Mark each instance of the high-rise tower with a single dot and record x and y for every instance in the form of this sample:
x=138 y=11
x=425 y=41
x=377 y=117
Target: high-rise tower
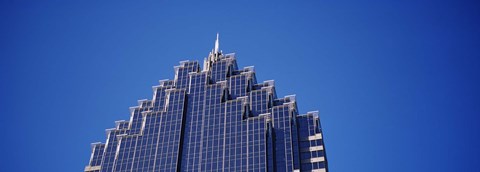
x=218 y=118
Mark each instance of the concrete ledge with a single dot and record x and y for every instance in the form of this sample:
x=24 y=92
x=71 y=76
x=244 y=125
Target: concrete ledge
x=312 y=160
x=92 y=168
x=311 y=149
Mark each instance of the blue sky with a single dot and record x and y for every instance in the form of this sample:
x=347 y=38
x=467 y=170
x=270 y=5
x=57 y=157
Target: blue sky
x=396 y=82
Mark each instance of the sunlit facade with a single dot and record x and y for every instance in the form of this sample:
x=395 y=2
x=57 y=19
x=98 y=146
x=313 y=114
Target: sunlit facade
x=214 y=118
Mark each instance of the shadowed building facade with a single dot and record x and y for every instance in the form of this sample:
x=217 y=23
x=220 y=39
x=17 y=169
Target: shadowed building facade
x=215 y=118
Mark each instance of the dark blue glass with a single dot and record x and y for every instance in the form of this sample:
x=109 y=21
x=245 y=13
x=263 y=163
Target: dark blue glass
x=215 y=119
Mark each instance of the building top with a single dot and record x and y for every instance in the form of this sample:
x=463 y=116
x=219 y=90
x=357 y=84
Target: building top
x=218 y=119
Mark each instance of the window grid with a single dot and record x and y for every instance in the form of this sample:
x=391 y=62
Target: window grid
x=210 y=121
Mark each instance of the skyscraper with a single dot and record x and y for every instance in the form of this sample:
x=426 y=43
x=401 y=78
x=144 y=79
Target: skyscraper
x=215 y=118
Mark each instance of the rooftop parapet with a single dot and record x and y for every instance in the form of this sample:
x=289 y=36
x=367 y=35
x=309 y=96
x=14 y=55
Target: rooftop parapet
x=132 y=109
x=109 y=130
x=144 y=103
x=313 y=113
x=121 y=124
x=268 y=83
x=166 y=82
x=96 y=144
x=291 y=98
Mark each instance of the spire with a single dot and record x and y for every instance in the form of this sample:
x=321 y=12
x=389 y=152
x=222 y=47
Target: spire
x=216 y=45
x=213 y=56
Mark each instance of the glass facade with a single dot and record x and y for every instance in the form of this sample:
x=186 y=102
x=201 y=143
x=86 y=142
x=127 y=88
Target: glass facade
x=218 y=118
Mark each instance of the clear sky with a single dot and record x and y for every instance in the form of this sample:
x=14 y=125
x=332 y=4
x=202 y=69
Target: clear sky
x=396 y=82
